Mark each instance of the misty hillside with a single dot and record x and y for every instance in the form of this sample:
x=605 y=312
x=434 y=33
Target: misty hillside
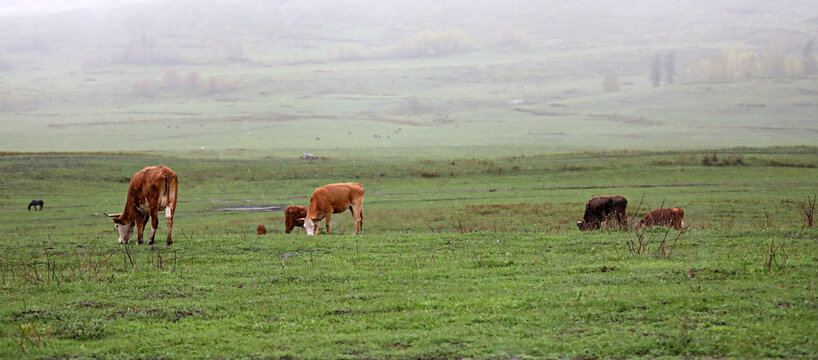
x=289 y=29
x=572 y=70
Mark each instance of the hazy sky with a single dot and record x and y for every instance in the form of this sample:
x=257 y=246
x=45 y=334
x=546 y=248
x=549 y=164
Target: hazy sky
x=30 y=7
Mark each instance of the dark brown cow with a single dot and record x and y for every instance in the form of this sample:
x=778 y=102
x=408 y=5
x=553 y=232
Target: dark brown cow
x=261 y=230
x=294 y=216
x=671 y=217
x=333 y=199
x=603 y=208
x=35 y=204
x=152 y=189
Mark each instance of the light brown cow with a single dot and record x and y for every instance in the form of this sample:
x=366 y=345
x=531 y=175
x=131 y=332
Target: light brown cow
x=333 y=199
x=152 y=189
x=665 y=217
x=294 y=216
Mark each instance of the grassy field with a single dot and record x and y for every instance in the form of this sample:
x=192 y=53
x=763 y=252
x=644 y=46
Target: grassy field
x=469 y=246
x=470 y=258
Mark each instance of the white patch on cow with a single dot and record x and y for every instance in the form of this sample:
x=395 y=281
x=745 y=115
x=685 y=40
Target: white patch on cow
x=310 y=226
x=125 y=232
x=144 y=207
x=167 y=213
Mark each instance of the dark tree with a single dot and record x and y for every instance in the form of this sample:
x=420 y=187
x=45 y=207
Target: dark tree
x=810 y=66
x=656 y=71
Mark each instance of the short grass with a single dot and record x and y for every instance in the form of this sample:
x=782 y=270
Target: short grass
x=462 y=257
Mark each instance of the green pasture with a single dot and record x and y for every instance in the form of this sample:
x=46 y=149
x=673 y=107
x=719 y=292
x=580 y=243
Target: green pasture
x=469 y=247
x=458 y=258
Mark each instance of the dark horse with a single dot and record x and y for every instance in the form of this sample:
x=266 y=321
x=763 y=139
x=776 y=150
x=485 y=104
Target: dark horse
x=35 y=204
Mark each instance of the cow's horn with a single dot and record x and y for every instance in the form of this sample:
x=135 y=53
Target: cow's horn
x=112 y=215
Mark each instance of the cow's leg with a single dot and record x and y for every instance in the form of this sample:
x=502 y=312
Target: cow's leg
x=140 y=227
x=289 y=223
x=358 y=215
x=329 y=218
x=169 y=221
x=154 y=225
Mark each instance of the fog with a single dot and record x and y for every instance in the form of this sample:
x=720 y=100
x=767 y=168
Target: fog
x=88 y=62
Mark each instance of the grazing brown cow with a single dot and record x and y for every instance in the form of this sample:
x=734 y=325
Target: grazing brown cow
x=294 y=216
x=665 y=217
x=603 y=208
x=152 y=189
x=333 y=199
x=261 y=230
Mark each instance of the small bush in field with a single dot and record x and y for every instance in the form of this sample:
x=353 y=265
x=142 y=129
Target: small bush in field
x=144 y=87
x=171 y=78
x=218 y=84
x=433 y=43
x=348 y=52
x=714 y=160
x=514 y=38
x=610 y=82
x=192 y=80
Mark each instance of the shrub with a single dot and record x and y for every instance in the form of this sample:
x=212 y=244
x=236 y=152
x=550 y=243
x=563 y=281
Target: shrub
x=171 y=78
x=434 y=43
x=218 y=84
x=514 y=38
x=610 y=82
x=713 y=160
x=144 y=87
x=192 y=80
x=807 y=210
x=348 y=52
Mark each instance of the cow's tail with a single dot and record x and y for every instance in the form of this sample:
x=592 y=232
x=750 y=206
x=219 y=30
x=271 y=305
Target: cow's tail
x=171 y=184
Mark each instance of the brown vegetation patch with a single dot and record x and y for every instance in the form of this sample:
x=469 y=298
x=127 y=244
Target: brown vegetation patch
x=641 y=121
x=542 y=112
x=509 y=209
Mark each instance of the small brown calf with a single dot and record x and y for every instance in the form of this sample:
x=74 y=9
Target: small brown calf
x=294 y=216
x=671 y=217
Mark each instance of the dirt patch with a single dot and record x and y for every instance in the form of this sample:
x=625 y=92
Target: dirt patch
x=258 y=208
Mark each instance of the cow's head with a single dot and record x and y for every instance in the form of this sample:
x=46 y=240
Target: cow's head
x=584 y=226
x=124 y=227
x=311 y=225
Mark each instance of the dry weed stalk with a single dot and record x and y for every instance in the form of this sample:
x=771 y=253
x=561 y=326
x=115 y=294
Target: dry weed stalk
x=771 y=255
x=807 y=210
